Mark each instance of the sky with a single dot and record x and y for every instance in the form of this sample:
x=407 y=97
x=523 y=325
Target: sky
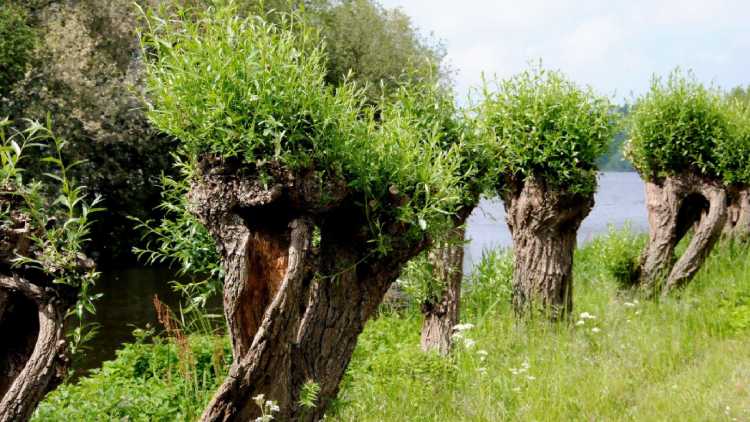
x=615 y=46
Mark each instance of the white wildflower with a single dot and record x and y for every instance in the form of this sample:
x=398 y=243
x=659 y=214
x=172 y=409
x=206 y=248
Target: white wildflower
x=463 y=327
x=629 y=304
x=469 y=343
x=530 y=377
x=482 y=370
x=482 y=352
x=580 y=322
x=595 y=330
x=586 y=315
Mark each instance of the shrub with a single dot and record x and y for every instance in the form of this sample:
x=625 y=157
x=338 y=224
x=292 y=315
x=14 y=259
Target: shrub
x=17 y=41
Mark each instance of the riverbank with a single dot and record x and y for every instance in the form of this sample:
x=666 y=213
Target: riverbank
x=621 y=358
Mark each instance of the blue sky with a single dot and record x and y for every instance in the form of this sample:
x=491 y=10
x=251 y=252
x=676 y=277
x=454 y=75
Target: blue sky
x=614 y=46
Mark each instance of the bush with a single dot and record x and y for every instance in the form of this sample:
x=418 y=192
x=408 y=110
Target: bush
x=17 y=40
x=540 y=124
x=680 y=125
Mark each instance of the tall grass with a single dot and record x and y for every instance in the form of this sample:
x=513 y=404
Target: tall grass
x=620 y=358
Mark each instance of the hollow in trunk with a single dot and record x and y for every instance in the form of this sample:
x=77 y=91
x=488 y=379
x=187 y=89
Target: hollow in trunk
x=676 y=204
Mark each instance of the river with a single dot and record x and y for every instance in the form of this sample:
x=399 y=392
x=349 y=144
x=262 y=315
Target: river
x=127 y=294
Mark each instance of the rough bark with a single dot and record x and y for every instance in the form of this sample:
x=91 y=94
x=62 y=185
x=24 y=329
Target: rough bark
x=543 y=223
x=738 y=213
x=294 y=310
x=32 y=321
x=676 y=204
x=33 y=350
x=441 y=313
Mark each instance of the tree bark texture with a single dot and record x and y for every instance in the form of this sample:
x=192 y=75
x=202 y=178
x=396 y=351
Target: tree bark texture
x=738 y=213
x=294 y=310
x=543 y=223
x=33 y=359
x=676 y=204
x=442 y=312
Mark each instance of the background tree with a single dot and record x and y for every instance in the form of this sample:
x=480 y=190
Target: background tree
x=314 y=199
x=681 y=146
x=737 y=160
x=44 y=278
x=545 y=134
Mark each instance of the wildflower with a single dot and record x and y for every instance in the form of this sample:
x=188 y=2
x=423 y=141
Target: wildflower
x=469 y=343
x=530 y=377
x=275 y=408
x=463 y=327
x=580 y=322
x=482 y=352
x=595 y=330
x=516 y=389
x=482 y=370
x=629 y=304
x=586 y=315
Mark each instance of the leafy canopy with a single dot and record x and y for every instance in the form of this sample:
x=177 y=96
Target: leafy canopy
x=248 y=89
x=17 y=40
x=680 y=125
x=539 y=124
x=733 y=152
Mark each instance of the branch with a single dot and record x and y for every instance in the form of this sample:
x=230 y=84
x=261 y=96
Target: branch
x=20 y=284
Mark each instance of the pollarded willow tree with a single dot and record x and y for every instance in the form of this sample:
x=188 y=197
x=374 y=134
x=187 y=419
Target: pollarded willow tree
x=545 y=133
x=314 y=199
x=737 y=161
x=44 y=278
x=682 y=146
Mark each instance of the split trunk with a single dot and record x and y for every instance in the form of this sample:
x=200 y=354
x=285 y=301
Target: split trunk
x=294 y=305
x=676 y=204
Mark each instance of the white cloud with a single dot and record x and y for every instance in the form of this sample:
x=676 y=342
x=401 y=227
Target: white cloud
x=613 y=46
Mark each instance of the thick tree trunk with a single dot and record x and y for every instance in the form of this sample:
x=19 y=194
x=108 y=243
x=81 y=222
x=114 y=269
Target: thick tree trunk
x=675 y=204
x=32 y=354
x=738 y=213
x=441 y=313
x=543 y=223
x=294 y=311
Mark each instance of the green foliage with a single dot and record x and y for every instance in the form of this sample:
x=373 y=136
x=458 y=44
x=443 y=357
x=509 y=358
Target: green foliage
x=733 y=153
x=259 y=95
x=620 y=360
x=180 y=240
x=17 y=41
x=678 y=126
x=57 y=213
x=146 y=382
x=380 y=47
x=539 y=124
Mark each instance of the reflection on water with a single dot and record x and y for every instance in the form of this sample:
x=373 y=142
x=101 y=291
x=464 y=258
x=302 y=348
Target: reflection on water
x=127 y=301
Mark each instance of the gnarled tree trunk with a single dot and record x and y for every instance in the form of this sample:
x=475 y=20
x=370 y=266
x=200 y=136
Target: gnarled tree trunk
x=294 y=310
x=32 y=322
x=442 y=312
x=543 y=223
x=738 y=213
x=675 y=204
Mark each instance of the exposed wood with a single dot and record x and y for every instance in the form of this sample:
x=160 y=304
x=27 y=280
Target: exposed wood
x=738 y=213
x=293 y=311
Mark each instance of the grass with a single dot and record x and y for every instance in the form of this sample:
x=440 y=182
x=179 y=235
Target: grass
x=685 y=358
